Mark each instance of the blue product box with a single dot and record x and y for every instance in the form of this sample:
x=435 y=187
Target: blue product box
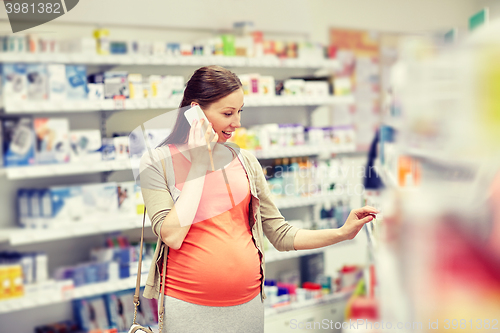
x=34 y=220
x=52 y=140
x=76 y=82
x=23 y=207
x=387 y=134
x=45 y=205
x=91 y=313
x=108 y=149
x=37 y=78
x=67 y=203
x=18 y=139
x=78 y=276
x=91 y=272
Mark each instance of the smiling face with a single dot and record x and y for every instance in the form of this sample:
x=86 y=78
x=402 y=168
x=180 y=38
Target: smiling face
x=225 y=114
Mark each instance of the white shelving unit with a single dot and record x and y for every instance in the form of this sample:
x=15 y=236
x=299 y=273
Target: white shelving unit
x=69 y=294
x=94 y=59
x=21 y=237
x=95 y=289
x=64 y=169
x=36 y=107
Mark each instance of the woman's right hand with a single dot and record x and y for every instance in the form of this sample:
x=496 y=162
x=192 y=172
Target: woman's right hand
x=199 y=149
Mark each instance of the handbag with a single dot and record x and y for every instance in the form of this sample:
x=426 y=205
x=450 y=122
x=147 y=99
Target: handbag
x=137 y=328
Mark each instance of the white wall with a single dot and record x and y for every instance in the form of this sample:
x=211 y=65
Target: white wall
x=154 y=19
x=389 y=15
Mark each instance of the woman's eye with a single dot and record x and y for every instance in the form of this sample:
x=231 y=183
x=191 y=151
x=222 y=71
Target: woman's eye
x=228 y=114
x=240 y=111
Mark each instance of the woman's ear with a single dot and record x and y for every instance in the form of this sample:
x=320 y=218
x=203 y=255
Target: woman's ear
x=194 y=104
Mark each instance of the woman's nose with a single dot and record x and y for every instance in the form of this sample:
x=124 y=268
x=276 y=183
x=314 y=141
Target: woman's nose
x=236 y=123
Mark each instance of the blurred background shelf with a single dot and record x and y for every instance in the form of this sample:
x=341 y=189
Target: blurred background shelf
x=32 y=107
x=92 y=59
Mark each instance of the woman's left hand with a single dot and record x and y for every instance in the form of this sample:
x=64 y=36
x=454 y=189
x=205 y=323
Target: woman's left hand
x=355 y=221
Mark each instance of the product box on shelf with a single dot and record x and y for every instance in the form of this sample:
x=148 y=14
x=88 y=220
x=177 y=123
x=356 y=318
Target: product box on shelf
x=18 y=139
x=35 y=219
x=120 y=307
x=91 y=314
x=136 y=89
x=76 y=82
x=67 y=204
x=23 y=207
x=96 y=86
x=108 y=150
x=316 y=88
x=14 y=83
x=100 y=200
x=11 y=280
x=52 y=140
x=79 y=45
x=45 y=204
x=155 y=86
x=96 y=91
x=294 y=87
x=267 y=86
x=56 y=82
x=116 y=84
x=174 y=85
x=130 y=198
x=37 y=82
x=85 y=145
x=122 y=147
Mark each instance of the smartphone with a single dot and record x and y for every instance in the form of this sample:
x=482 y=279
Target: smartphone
x=196 y=113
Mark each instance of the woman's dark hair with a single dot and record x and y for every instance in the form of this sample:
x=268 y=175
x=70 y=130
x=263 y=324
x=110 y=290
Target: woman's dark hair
x=206 y=86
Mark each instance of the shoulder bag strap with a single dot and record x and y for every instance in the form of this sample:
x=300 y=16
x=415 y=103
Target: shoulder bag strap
x=138 y=281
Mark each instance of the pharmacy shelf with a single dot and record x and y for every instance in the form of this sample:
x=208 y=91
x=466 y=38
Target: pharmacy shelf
x=95 y=289
x=293 y=202
x=303 y=150
x=24 y=236
x=85 y=167
x=325 y=299
x=36 y=107
x=64 y=169
x=116 y=60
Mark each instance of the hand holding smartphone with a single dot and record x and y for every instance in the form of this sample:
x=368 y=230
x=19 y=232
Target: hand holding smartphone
x=196 y=113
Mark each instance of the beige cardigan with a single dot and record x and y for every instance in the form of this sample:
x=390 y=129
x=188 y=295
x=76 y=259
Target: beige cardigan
x=159 y=198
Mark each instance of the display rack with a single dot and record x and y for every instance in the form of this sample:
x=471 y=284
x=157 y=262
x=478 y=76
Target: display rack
x=19 y=237
x=94 y=59
x=96 y=289
x=37 y=107
x=325 y=299
x=64 y=169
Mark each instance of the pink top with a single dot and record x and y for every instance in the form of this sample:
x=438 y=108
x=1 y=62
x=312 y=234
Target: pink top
x=218 y=263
